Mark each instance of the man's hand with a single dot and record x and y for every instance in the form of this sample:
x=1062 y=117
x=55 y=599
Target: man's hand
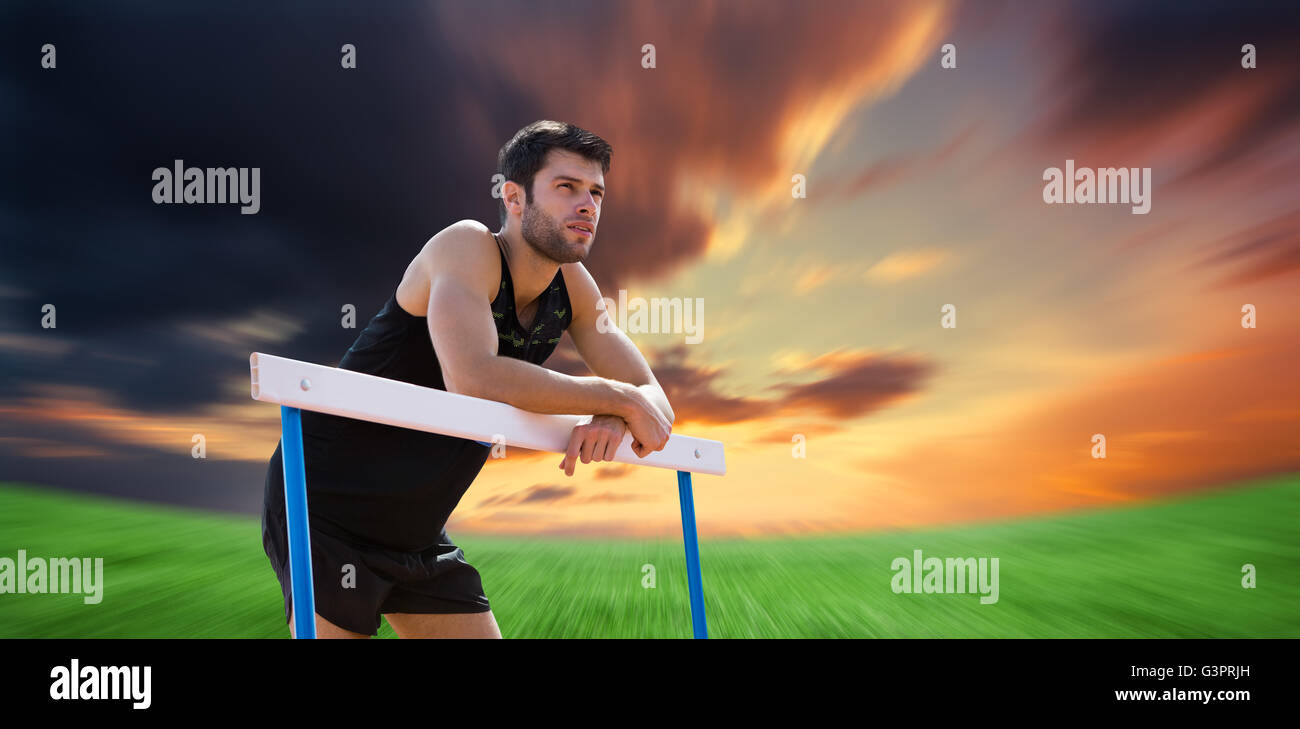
x=650 y=427
x=597 y=440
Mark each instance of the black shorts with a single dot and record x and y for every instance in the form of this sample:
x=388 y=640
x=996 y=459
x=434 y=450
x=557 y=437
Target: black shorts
x=435 y=580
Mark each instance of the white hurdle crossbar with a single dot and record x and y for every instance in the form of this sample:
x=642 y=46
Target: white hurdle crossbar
x=298 y=386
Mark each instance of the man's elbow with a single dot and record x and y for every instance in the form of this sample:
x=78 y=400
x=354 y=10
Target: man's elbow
x=466 y=379
x=667 y=410
x=662 y=399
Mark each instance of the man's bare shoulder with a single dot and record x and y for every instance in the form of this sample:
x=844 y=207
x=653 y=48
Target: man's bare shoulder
x=462 y=247
x=464 y=250
x=582 y=288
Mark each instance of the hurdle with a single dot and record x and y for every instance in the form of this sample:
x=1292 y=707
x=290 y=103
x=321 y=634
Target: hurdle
x=296 y=386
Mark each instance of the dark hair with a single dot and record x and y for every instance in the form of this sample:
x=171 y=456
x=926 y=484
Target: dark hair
x=521 y=157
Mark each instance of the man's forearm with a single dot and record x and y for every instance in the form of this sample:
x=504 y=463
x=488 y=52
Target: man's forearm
x=534 y=388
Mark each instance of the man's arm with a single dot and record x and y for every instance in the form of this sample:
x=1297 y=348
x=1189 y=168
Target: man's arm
x=462 y=272
x=609 y=353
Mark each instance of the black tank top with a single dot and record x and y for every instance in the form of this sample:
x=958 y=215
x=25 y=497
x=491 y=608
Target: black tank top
x=391 y=487
x=396 y=344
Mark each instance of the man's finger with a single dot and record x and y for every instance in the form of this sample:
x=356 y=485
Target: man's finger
x=571 y=455
x=601 y=448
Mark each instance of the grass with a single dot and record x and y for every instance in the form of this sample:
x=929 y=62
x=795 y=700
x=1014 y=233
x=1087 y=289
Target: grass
x=1166 y=569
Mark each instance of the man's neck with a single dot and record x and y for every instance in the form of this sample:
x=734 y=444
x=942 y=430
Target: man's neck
x=530 y=272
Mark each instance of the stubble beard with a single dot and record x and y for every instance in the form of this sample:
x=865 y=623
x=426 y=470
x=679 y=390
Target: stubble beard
x=549 y=237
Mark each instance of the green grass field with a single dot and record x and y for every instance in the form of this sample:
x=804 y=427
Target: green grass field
x=1168 y=569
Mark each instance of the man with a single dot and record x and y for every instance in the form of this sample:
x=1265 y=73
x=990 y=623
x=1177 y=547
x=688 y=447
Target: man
x=475 y=313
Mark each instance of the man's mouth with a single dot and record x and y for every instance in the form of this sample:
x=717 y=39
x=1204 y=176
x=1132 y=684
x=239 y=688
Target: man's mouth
x=582 y=229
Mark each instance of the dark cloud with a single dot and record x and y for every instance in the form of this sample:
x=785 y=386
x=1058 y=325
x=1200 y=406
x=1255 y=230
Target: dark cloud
x=546 y=493
x=849 y=385
x=614 y=497
x=1137 y=68
x=1259 y=252
x=358 y=169
x=537 y=493
x=691 y=391
x=552 y=493
x=857 y=385
x=605 y=473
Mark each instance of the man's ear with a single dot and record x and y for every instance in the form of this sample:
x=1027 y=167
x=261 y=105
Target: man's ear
x=512 y=192
x=508 y=194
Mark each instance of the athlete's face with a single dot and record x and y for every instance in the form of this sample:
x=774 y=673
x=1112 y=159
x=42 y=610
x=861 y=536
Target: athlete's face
x=567 y=191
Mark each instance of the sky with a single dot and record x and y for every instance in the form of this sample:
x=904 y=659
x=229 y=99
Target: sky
x=844 y=403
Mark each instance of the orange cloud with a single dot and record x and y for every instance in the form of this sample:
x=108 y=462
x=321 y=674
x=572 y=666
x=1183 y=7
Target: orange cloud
x=903 y=265
x=244 y=431
x=709 y=137
x=1201 y=419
